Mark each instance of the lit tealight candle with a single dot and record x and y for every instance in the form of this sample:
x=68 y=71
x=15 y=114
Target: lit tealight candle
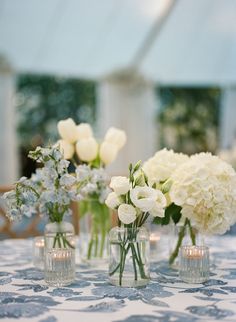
x=194 y=264
x=38 y=256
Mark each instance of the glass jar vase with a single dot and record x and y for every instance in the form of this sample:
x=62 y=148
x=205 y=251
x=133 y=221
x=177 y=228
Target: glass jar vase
x=94 y=226
x=129 y=252
x=59 y=254
x=182 y=234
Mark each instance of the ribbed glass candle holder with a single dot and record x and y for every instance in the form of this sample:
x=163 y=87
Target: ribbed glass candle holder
x=194 y=264
x=38 y=252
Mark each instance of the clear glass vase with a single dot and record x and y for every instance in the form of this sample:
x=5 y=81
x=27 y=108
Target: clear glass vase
x=59 y=254
x=94 y=226
x=182 y=234
x=129 y=256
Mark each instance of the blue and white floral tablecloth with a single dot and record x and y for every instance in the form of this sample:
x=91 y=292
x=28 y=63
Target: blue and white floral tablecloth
x=24 y=296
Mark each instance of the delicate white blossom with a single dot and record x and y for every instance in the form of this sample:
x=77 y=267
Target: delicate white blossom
x=126 y=213
x=205 y=188
x=143 y=198
x=160 y=167
x=108 y=152
x=66 y=148
x=68 y=130
x=116 y=136
x=84 y=131
x=87 y=149
x=120 y=185
x=112 y=200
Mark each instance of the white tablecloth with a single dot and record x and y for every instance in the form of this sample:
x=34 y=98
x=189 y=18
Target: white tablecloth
x=24 y=296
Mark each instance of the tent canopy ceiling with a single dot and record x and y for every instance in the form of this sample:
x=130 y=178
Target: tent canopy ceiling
x=89 y=39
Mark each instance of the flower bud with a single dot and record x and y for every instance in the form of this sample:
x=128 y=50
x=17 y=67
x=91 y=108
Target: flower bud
x=116 y=137
x=108 y=152
x=87 y=149
x=67 y=130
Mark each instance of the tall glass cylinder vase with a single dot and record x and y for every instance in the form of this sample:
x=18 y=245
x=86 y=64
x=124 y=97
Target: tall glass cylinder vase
x=59 y=262
x=129 y=256
x=95 y=223
x=182 y=234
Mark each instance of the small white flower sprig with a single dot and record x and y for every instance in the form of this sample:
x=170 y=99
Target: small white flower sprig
x=48 y=192
x=78 y=144
x=134 y=199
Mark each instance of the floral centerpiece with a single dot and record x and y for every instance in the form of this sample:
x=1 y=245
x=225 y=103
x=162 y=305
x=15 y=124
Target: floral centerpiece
x=200 y=192
x=135 y=201
x=90 y=158
x=49 y=193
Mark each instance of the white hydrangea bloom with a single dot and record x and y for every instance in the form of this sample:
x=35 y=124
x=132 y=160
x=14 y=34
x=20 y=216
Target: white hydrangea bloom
x=205 y=188
x=160 y=167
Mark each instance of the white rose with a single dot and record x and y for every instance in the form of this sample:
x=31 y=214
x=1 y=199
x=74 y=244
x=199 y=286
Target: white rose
x=120 y=185
x=116 y=137
x=67 y=130
x=87 y=149
x=126 y=213
x=143 y=197
x=157 y=211
x=108 y=152
x=112 y=200
x=66 y=148
x=84 y=131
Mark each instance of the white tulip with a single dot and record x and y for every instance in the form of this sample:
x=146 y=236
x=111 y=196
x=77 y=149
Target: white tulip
x=157 y=211
x=116 y=137
x=67 y=149
x=67 y=130
x=112 y=200
x=126 y=213
x=120 y=185
x=108 y=152
x=87 y=149
x=84 y=131
x=143 y=198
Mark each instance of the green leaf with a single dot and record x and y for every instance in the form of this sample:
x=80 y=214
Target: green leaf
x=137 y=165
x=172 y=211
x=175 y=212
x=166 y=186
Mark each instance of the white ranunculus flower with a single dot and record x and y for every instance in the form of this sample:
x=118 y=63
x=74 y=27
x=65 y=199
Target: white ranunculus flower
x=116 y=137
x=126 y=213
x=160 y=167
x=205 y=187
x=112 y=200
x=108 y=152
x=66 y=148
x=67 y=130
x=157 y=211
x=120 y=185
x=143 y=198
x=87 y=149
x=84 y=131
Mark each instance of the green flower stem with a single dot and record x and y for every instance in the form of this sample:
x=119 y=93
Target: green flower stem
x=179 y=243
x=192 y=234
x=134 y=264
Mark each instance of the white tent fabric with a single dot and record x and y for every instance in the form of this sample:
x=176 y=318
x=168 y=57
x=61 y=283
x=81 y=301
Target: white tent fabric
x=89 y=39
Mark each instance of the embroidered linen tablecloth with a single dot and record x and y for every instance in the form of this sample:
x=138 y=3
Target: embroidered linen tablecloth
x=24 y=296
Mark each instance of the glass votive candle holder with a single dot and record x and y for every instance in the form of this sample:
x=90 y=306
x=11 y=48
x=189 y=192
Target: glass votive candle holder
x=38 y=252
x=194 y=264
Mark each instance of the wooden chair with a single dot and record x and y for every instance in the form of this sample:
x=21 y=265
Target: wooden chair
x=7 y=229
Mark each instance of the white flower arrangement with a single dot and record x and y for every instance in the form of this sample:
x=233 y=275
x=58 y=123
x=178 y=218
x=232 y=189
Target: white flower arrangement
x=160 y=167
x=79 y=139
x=205 y=188
x=134 y=199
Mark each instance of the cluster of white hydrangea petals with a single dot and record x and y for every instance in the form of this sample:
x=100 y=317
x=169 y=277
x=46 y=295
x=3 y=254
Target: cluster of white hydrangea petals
x=205 y=188
x=161 y=166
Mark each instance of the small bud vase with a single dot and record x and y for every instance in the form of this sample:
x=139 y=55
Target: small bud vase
x=94 y=225
x=129 y=257
x=59 y=256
